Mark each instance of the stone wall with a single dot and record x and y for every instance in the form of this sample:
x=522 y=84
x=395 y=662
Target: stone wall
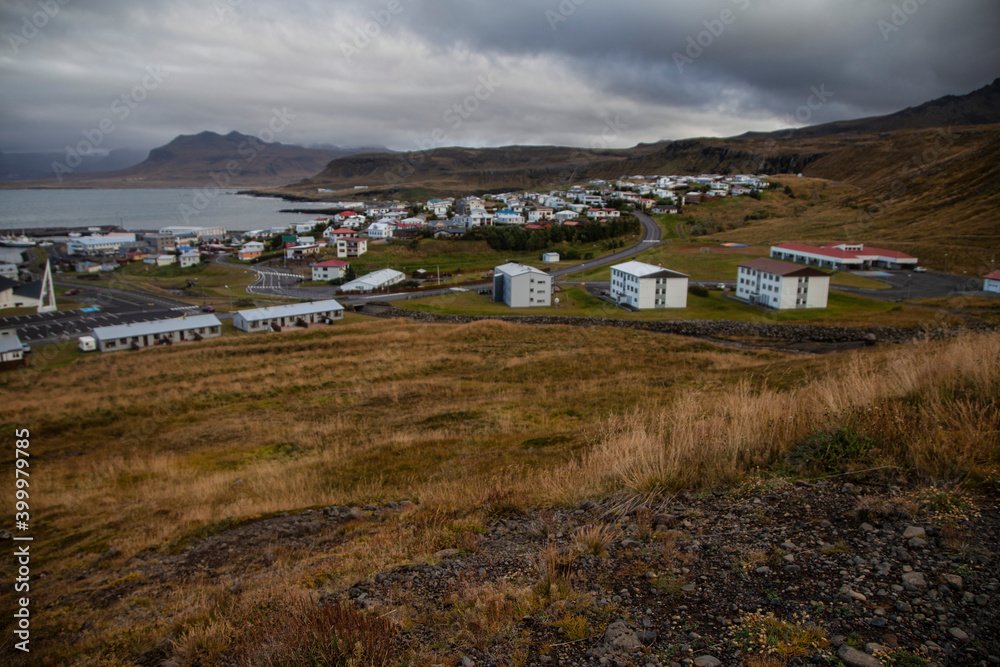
x=699 y=328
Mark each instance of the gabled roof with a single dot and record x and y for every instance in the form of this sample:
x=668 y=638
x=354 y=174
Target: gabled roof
x=7 y=283
x=155 y=327
x=291 y=310
x=9 y=344
x=993 y=276
x=840 y=253
x=512 y=269
x=780 y=268
x=30 y=290
x=643 y=270
x=333 y=263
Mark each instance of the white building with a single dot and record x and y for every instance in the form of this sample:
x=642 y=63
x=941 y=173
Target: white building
x=11 y=350
x=781 y=285
x=550 y=257
x=521 y=286
x=351 y=246
x=375 y=280
x=991 y=282
x=189 y=259
x=160 y=260
x=92 y=246
x=843 y=256
x=8 y=270
x=329 y=270
x=509 y=217
x=197 y=232
x=381 y=230
x=296 y=314
x=159 y=332
x=643 y=286
x=298 y=252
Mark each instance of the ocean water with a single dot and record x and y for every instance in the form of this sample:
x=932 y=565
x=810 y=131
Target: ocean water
x=145 y=210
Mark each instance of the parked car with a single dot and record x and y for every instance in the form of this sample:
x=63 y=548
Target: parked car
x=721 y=286
x=208 y=309
x=72 y=291
x=919 y=269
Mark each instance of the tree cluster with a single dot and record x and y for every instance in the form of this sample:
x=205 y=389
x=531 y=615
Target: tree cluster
x=512 y=238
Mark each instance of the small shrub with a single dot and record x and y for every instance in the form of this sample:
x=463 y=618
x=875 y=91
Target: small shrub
x=594 y=539
x=698 y=290
x=574 y=626
x=831 y=450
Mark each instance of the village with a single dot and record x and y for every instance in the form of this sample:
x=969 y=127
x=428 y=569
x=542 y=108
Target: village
x=314 y=263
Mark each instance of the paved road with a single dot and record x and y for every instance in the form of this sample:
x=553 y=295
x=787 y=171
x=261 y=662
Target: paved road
x=280 y=282
x=908 y=285
x=651 y=237
x=104 y=295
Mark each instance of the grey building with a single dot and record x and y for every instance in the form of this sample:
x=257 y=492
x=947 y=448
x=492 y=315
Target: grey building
x=159 y=332
x=276 y=317
x=521 y=286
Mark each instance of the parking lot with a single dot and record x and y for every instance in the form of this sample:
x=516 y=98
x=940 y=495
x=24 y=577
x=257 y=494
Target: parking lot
x=918 y=285
x=63 y=325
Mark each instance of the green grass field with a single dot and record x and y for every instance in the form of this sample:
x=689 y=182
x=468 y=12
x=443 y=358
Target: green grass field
x=577 y=302
x=700 y=261
x=210 y=281
x=471 y=258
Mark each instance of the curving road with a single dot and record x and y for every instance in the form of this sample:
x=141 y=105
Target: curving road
x=652 y=234
x=282 y=283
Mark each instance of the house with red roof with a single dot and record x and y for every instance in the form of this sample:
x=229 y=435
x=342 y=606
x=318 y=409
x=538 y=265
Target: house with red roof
x=991 y=282
x=781 y=285
x=333 y=269
x=843 y=256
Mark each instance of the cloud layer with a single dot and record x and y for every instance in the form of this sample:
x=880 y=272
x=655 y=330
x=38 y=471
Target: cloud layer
x=414 y=74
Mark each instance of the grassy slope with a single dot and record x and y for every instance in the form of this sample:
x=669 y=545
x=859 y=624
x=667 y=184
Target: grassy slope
x=843 y=309
x=449 y=416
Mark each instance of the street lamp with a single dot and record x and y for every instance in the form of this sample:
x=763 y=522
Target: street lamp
x=230 y=298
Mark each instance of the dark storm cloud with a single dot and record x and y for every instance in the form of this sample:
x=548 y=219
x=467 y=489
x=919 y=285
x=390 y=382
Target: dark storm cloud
x=410 y=73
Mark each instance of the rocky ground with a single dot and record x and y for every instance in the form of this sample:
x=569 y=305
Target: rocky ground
x=829 y=572
x=804 y=574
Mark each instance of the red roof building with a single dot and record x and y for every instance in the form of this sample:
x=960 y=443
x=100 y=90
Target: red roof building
x=843 y=256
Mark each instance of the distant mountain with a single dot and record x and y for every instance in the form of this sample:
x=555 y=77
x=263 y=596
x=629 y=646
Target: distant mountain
x=849 y=151
x=980 y=107
x=208 y=159
x=36 y=166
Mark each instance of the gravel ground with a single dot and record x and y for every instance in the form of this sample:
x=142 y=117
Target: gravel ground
x=709 y=580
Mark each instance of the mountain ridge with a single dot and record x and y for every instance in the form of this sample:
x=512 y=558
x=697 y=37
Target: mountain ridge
x=203 y=158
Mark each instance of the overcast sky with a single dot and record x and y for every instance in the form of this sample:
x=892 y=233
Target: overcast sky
x=412 y=74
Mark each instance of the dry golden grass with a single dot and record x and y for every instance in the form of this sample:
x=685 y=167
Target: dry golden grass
x=147 y=452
